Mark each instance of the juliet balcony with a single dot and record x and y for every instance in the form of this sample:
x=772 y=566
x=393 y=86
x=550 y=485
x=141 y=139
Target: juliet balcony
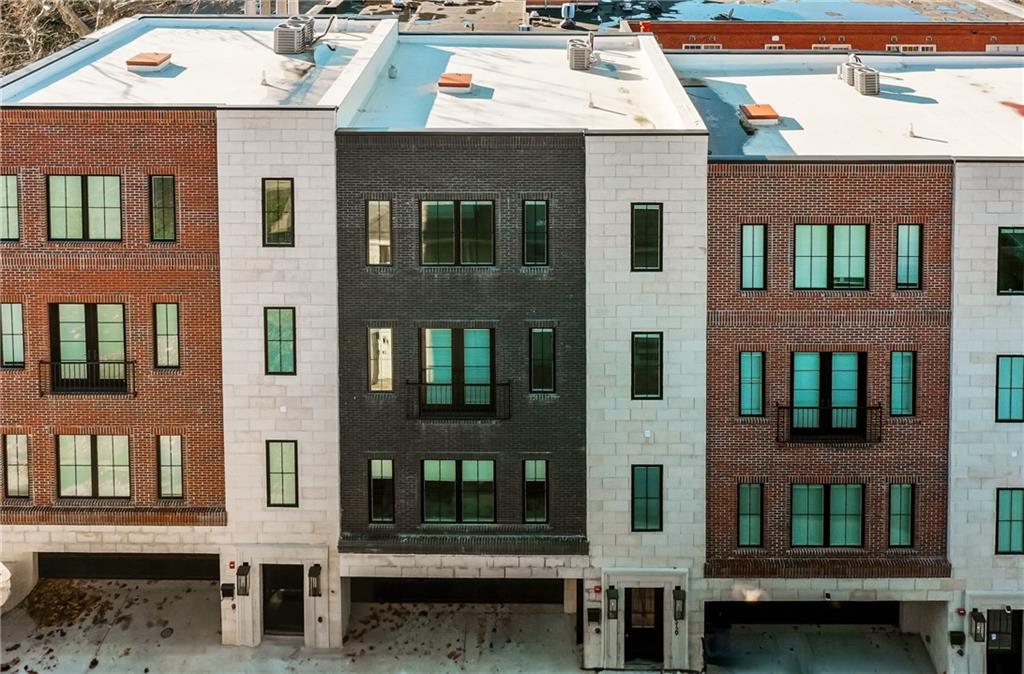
x=828 y=424
x=86 y=377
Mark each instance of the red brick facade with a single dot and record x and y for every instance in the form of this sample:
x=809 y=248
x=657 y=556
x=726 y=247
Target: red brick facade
x=135 y=272
x=780 y=320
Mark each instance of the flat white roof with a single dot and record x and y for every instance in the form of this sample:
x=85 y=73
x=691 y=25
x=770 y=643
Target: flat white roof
x=935 y=105
x=524 y=82
x=218 y=61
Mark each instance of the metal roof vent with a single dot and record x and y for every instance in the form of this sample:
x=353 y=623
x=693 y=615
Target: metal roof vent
x=148 y=62
x=759 y=114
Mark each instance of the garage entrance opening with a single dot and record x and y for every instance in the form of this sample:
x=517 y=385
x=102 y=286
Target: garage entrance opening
x=128 y=566
x=1003 y=649
x=458 y=590
x=282 y=599
x=644 y=638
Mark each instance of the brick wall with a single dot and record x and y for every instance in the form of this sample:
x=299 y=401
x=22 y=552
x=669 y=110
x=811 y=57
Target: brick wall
x=780 y=320
x=507 y=297
x=136 y=272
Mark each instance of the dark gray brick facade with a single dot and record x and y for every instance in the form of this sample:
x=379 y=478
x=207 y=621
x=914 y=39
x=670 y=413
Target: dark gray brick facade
x=510 y=298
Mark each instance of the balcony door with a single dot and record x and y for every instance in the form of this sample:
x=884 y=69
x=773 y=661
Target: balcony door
x=87 y=347
x=457 y=369
x=828 y=393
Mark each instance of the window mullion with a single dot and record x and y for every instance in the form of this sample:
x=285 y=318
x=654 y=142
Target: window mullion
x=457 y=232
x=94 y=467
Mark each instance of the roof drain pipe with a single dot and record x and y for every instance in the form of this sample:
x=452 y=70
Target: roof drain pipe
x=323 y=34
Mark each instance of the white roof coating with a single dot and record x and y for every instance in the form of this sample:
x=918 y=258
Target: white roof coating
x=935 y=105
x=524 y=82
x=218 y=61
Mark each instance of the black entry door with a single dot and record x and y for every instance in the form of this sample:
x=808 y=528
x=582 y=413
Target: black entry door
x=1003 y=650
x=282 y=599
x=644 y=635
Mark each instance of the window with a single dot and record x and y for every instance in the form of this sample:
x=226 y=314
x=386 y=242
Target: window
x=1010 y=276
x=279 y=335
x=382 y=490
x=93 y=466
x=165 y=321
x=901 y=383
x=1009 y=521
x=87 y=344
x=1001 y=636
x=169 y=454
x=646 y=358
x=378 y=232
x=9 y=226
x=381 y=376
x=646 y=498
x=457 y=367
x=839 y=519
x=439 y=492
x=535 y=490
x=749 y=508
x=542 y=360
x=646 y=237
x=831 y=256
x=828 y=391
x=16 y=465
x=1010 y=388
x=282 y=473
x=753 y=254
x=457 y=232
x=85 y=207
x=901 y=515
x=535 y=233
x=751 y=383
x=278 y=212
x=162 y=218
x=477 y=491
x=12 y=336
x=458 y=491
x=908 y=256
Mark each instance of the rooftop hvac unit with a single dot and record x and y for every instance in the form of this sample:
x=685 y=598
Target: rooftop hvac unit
x=306 y=22
x=579 y=53
x=289 y=38
x=848 y=70
x=866 y=81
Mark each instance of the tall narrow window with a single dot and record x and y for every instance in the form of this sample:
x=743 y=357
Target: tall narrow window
x=646 y=237
x=751 y=383
x=476 y=232
x=477 y=491
x=169 y=455
x=457 y=372
x=831 y=256
x=457 y=232
x=753 y=254
x=85 y=207
x=542 y=360
x=94 y=466
x=1010 y=274
x=437 y=233
x=646 y=359
x=807 y=525
x=279 y=335
x=1009 y=521
x=908 y=256
x=166 y=327
x=1010 y=388
x=162 y=210
x=378 y=232
x=901 y=515
x=749 y=508
x=646 y=498
x=535 y=490
x=381 y=377
x=16 y=465
x=282 y=473
x=846 y=512
x=901 y=383
x=9 y=224
x=12 y=336
x=278 y=212
x=439 y=498
x=535 y=233
x=382 y=490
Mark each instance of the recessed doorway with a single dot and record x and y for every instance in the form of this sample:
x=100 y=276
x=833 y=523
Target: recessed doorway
x=644 y=639
x=1003 y=650
x=282 y=599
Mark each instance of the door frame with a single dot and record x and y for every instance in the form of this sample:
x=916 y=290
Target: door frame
x=675 y=634
x=626 y=611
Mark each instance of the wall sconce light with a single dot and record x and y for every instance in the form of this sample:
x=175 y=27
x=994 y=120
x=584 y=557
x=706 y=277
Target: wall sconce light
x=978 y=631
x=242 y=576
x=314 y=580
x=679 y=603
x=613 y=602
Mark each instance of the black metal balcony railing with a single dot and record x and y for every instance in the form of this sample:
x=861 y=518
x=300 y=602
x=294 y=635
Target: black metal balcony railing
x=482 y=401
x=828 y=424
x=116 y=377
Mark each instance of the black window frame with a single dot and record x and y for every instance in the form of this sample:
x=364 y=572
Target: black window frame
x=547 y=477
x=632 y=236
x=267 y=473
x=547 y=233
x=740 y=382
x=830 y=257
x=633 y=497
x=825 y=393
x=7 y=464
x=909 y=515
x=173 y=208
x=263 y=211
x=998 y=520
x=16 y=207
x=633 y=367
x=157 y=335
x=459 y=505
x=371 y=480
x=13 y=365
x=458 y=384
x=826 y=514
x=94 y=367
x=554 y=358
x=266 y=343
x=85 y=207
x=457 y=233
x=180 y=468
x=913 y=385
x=740 y=515
x=919 y=253
x=999 y=262
x=764 y=255
x=391 y=233
x=1000 y=420
x=94 y=467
